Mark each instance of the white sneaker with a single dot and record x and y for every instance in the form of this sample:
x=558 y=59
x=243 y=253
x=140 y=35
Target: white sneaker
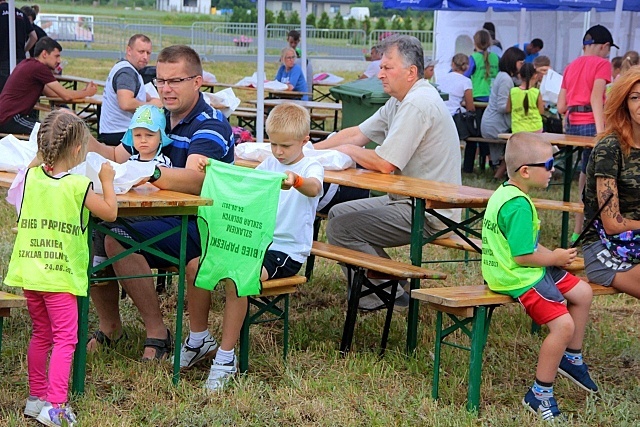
x=56 y=417
x=33 y=406
x=189 y=356
x=219 y=375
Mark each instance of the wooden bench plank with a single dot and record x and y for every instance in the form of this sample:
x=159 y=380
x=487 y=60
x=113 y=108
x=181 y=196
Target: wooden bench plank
x=8 y=300
x=373 y=262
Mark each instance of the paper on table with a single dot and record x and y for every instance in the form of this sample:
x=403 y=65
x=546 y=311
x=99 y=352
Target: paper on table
x=329 y=159
x=224 y=100
x=327 y=78
x=127 y=174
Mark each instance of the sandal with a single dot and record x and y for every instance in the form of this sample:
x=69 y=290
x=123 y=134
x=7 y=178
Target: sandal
x=102 y=339
x=162 y=347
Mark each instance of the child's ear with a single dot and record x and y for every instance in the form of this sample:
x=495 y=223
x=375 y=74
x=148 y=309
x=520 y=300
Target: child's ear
x=306 y=139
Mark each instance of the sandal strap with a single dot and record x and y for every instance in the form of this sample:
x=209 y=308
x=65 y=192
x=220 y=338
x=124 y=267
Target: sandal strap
x=161 y=346
x=101 y=338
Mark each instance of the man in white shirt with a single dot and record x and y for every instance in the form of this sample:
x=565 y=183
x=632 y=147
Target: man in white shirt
x=374 y=66
x=124 y=91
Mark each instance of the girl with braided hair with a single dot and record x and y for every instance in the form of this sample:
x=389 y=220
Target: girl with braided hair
x=50 y=257
x=483 y=66
x=525 y=102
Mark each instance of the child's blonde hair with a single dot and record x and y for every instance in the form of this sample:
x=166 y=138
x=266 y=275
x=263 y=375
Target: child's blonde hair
x=460 y=62
x=59 y=134
x=629 y=59
x=522 y=147
x=289 y=119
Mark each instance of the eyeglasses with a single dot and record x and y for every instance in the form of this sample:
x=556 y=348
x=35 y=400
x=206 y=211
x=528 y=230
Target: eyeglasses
x=171 y=82
x=548 y=165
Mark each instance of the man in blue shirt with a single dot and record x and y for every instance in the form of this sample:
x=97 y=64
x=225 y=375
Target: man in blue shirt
x=532 y=49
x=198 y=132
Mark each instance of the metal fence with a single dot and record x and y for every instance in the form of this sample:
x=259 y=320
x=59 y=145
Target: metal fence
x=219 y=40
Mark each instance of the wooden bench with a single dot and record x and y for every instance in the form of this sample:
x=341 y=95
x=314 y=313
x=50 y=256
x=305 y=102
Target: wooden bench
x=7 y=302
x=487 y=140
x=470 y=309
x=375 y=267
x=273 y=300
x=456 y=242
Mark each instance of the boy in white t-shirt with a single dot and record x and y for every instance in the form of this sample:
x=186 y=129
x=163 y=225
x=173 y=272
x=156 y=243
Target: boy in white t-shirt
x=288 y=129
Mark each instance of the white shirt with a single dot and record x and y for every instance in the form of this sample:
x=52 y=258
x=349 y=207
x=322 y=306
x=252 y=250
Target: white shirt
x=455 y=85
x=373 y=69
x=293 y=234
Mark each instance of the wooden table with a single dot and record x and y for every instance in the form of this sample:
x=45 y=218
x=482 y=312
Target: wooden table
x=271 y=93
x=144 y=200
x=91 y=106
x=568 y=144
x=336 y=107
x=71 y=82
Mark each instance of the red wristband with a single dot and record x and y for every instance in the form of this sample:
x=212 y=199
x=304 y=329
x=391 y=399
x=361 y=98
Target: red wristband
x=298 y=182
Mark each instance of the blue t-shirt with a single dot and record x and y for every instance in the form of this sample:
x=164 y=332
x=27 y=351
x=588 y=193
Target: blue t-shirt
x=204 y=131
x=530 y=56
x=293 y=77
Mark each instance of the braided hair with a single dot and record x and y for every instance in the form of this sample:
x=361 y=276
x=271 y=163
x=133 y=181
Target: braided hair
x=59 y=134
x=527 y=71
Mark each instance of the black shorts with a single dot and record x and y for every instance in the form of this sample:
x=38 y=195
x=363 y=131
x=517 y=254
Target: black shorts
x=279 y=265
x=169 y=245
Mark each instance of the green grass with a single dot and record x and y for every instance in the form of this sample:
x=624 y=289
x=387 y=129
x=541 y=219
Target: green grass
x=316 y=386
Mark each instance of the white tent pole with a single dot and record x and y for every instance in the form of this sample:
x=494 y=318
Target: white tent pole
x=12 y=36
x=617 y=18
x=521 y=30
x=260 y=79
x=303 y=39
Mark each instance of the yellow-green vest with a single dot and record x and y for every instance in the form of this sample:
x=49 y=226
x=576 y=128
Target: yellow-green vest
x=499 y=269
x=481 y=85
x=521 y=122
x=51 y=251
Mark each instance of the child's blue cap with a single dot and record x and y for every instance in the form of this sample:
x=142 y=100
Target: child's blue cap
x=148 y=117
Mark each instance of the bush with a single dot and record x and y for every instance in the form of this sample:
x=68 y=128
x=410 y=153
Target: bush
x=422 y=23
x=269 y=17
x=294 y=18
x=324 y=22
x=381 y=24
x=408 y=23
x=396 y=24
x=366 y=25
x=311 y=20
x=352 y=24
x=338 y=22
x=281 y=19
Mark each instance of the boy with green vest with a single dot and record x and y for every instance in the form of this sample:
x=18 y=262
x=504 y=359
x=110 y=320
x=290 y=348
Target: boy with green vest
x=513 y=263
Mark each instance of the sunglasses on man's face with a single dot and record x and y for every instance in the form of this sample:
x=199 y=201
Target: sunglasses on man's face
x=548 y=165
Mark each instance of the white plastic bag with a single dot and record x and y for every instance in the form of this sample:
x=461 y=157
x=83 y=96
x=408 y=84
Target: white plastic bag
x=268 y=84
x=332 y=160
x=550 y=86
x=17 y=154
x=127 y=174
x=224 y=100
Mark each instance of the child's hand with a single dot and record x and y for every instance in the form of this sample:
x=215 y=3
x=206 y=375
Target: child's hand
x=288 y=182
x=564 y=257
x=107 y=173
x=202 y=164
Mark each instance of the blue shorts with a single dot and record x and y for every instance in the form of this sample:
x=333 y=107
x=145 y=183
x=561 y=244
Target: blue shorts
x=582 y=130
x=144 y=230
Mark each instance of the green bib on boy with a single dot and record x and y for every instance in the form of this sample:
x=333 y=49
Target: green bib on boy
x=51 y=251
x=236 y=231
x=499 y=268
x=481 y=84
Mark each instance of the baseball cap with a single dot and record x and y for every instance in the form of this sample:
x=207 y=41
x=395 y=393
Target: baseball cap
x=148 y=117
x=598 y=35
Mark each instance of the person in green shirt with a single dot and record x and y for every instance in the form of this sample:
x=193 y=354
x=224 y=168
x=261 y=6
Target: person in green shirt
x=513 y=263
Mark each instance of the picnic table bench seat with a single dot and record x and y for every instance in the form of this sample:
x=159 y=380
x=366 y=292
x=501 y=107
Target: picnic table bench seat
x=358 y=264
x=470 y=309
x=7 y=302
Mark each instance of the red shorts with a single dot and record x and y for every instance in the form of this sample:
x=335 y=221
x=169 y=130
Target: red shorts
x=545 y=301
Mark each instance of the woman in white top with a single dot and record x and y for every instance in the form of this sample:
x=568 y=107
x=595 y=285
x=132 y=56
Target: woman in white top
x=460 y=91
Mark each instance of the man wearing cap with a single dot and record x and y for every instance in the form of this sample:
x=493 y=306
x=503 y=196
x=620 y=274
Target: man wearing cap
x=582 y=95
x=124 y=91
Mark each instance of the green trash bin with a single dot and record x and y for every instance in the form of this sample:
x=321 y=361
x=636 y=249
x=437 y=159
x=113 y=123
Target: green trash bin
x=360 y=99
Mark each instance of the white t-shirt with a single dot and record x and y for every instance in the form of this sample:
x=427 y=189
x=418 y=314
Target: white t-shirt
x=293 y=234
x=160 y=160
x=455 y=85
x=373 y=69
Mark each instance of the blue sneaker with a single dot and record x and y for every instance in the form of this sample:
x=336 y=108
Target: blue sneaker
x=546 y=409
x=579 y=374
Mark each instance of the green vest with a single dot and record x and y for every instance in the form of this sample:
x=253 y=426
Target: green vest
x=51 y=251
x=479 y=81
x=499 y=269
x=521 y=122
x=237 y=229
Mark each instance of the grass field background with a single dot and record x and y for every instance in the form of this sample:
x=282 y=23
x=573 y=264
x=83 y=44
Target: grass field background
x=316 y=386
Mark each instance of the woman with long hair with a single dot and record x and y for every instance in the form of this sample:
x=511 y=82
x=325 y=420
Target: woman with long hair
x=613 y=184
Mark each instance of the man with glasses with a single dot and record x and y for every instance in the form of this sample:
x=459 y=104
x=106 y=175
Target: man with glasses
x=125 y=91
x=198 y=132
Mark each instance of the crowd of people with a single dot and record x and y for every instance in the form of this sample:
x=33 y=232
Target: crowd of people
x=415 y=136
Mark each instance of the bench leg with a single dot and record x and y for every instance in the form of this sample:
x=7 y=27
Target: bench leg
x=244 y=341
x=352 y=309
x=478 y=341
x=436 y=356
x=390 y=302
x=311 y=259
x=1 y=320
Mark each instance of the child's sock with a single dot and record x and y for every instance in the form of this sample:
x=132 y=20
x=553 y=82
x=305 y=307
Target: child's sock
x=98 y=259
x=197 y=338
x=574 y=356
x=542 y=390
x=224 y=357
